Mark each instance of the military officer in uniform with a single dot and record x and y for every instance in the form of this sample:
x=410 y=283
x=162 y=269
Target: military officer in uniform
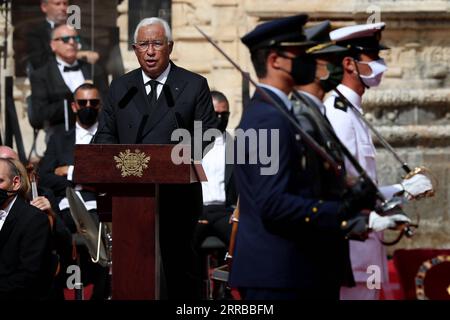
x=294 y=223
x=362 y=69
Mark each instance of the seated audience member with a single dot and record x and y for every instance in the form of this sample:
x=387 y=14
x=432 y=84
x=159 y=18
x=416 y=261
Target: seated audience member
x=25 y=240
x=219 y=193
x=61 y=236
x=57 y=167
x=55 y=82
x=39 y=35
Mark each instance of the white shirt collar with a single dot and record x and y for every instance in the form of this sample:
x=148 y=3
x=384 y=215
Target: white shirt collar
x=161 y=79
x=7 y=209
x=351 y=95
x=318 y=102
x=62 y=63
x=82 y=132
x=52 y=23
x=283 y=96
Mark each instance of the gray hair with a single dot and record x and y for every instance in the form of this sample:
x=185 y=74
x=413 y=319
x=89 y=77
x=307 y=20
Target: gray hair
x=56 y=28
x=154 y=20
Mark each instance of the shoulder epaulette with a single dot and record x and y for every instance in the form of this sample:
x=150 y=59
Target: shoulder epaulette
x=340 y=104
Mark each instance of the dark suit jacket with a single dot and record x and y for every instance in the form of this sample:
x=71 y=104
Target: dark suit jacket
x=185 y=98
x=59 y=152
x=38 y=41
x=25 y=249
x=288 y=236
x=48 y=91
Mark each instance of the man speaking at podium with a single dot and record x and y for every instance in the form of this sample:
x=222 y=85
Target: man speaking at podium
x=145 y=106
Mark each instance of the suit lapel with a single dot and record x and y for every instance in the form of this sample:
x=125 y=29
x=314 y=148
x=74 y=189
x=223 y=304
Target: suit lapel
x=140 y=99
x=86 y=70
x=60 y=85
x=10 y=222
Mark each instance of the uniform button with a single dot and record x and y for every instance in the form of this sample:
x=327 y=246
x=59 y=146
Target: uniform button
x=307 y=219
x=344 y=224
x=320 y=201
x=314 y=209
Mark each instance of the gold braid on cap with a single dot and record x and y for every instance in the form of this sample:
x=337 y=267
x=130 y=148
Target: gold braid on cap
x=319 y=47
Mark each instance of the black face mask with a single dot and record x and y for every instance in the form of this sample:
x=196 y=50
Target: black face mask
x=222 y=118
x=335 y=75
x=87 y=116
x=303 y=69
x=4 y=196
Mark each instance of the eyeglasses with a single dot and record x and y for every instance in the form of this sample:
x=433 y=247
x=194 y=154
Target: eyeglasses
x=142 y=46
x=92 y=102
x=222 y=114
x=66 y=39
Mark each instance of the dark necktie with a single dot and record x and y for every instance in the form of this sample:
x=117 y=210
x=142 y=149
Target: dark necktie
x=153 y=95
x=73 y=68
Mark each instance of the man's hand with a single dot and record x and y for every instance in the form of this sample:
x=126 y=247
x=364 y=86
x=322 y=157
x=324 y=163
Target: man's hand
x=89 y=56
x=379 y=223
x=416 y=186
x=41 y=203
x=62 y=171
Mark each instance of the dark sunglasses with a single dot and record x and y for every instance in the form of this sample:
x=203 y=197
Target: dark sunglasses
x=66 y=39
x=92 y=102
x=222 y=114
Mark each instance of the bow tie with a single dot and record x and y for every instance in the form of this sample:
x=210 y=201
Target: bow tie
x=74 y=68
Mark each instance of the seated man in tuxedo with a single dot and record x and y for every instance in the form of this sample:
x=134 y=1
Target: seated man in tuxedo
x=38 y=36
x=55 y=82
x=57 y=166
x=25 y=240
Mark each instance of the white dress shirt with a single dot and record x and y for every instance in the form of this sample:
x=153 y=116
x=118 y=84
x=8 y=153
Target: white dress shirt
x=161 y=80
x=283 y=96
x=73 y=79
x=4 y=213
x=319 y=103
x=82 y=136
x=214 y=166
x=51 y=23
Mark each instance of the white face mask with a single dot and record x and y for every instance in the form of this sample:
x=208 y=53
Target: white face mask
x=378 y=68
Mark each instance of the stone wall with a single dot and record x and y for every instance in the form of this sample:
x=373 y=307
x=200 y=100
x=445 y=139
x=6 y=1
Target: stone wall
x=410 y=108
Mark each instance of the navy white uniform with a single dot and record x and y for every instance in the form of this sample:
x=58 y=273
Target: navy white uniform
x=355 y=135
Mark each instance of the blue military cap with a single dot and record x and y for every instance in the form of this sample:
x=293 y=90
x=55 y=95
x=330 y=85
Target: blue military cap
x=277 y=33
x=319 y=34
x=361 y=37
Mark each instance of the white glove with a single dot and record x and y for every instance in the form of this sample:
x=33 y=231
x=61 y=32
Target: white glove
x=416 y=185
x=379 y=223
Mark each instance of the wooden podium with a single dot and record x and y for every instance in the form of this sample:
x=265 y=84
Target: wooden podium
x=131 y=175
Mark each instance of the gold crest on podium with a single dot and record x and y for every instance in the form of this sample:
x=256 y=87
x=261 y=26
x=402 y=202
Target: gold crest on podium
x=132 y=163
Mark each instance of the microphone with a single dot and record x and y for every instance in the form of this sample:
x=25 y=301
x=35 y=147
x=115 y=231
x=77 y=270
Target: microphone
x=131 y=92
x=127 y=97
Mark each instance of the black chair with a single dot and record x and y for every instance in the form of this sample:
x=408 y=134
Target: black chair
x=213 y=253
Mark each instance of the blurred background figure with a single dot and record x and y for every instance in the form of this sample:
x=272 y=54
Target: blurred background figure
x=53 y=84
